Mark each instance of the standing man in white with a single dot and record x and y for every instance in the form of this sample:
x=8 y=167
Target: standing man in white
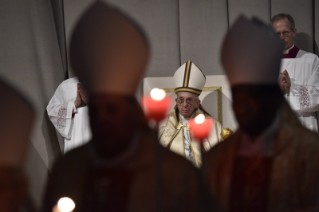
x=299 y=80
x=68 y=112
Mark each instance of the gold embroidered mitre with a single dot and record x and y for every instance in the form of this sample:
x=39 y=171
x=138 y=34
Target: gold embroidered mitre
x=189 y=78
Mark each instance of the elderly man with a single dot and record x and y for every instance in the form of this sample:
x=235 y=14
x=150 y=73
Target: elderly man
x=123 y=168
x=174 y=131
x=271 y=163
x=300 y=79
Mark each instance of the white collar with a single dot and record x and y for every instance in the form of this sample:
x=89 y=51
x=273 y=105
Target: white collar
x=286 y=51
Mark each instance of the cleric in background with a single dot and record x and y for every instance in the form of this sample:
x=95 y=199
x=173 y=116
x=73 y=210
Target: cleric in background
x=299 y=80
x=119 y=169
x=174 y=131
x=68 y=113
x=271 y=163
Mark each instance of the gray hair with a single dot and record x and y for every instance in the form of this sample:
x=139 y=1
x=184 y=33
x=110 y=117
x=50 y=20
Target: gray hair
x=196 y=96
x=281 y=16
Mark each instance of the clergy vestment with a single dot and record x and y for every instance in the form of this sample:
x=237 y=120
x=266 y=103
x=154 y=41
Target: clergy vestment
x=303 y=69
x=283 y=177
x=72 y=123
x=134 y=181
x=174 y=134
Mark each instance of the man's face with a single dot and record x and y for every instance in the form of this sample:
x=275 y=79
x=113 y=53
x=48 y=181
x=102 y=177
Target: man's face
x=114 y=120
x=187 y=103
x=255 y=107
x=282 y=28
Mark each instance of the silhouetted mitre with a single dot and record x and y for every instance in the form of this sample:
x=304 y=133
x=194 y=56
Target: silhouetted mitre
x=189 y=78
x=17 y=116
x=108 y=52
x=251 y=53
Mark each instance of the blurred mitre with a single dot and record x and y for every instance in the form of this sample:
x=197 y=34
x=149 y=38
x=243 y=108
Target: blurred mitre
x=189 y=78
x=17 y=117
x=108 y=51
x=251 y=53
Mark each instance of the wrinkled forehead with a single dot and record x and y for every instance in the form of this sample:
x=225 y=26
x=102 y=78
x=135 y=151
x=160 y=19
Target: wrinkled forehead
x=281 y=23
x=186 y=95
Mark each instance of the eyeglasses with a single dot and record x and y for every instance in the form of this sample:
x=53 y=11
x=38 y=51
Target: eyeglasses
x=284 y=33
x=188 y=101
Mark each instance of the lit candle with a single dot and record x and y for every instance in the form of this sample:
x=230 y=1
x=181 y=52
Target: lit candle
x=200 y=127
x=156 y=105
x=65 y=204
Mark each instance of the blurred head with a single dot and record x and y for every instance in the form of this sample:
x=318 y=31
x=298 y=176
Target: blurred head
x=187 y=103
x=114 y=120
x=256 y=106
x=284 y=26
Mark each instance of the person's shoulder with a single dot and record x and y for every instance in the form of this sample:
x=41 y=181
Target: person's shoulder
x=171 y=117
x=220 y=148
x=73 y=80
x=304 y=54
x=216 y=122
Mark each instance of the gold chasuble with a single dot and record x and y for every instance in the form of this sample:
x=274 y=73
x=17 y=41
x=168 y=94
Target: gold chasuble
x=171 y=135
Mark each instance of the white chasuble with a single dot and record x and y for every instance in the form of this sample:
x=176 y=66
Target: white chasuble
x=304 y=91
x=72 y=123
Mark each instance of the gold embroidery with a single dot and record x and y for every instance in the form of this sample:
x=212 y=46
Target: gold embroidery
x=187 y=73
x=179 y=126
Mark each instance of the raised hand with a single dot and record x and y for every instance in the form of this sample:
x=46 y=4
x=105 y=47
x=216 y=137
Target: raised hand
x=284 y=82
x=83 y=94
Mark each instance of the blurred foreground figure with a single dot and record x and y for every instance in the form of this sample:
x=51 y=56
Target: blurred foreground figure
x=299 y=80
x=174 y=130
x=16 y=122
x=123 y=168
x=271 y=163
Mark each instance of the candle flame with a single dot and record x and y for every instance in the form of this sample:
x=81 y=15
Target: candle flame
x=66 y=204
x=200 y=119
x=158 y=94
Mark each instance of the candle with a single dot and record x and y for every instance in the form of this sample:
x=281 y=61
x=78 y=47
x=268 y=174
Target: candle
x=65 y=204
x=200 y=127
x=156 y=105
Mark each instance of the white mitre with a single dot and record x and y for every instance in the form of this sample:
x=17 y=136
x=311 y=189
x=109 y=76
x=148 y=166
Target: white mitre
x=108 y=51
x=189 y=78
x=17 y=117
x=251 y=53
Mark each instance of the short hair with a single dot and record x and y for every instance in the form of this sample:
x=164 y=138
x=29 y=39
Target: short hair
x=281 y=16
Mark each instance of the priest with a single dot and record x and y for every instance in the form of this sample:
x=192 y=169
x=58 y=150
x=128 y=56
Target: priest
x=299 y=79
x=271 y=163
x=68 y=113
x=174 y=131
